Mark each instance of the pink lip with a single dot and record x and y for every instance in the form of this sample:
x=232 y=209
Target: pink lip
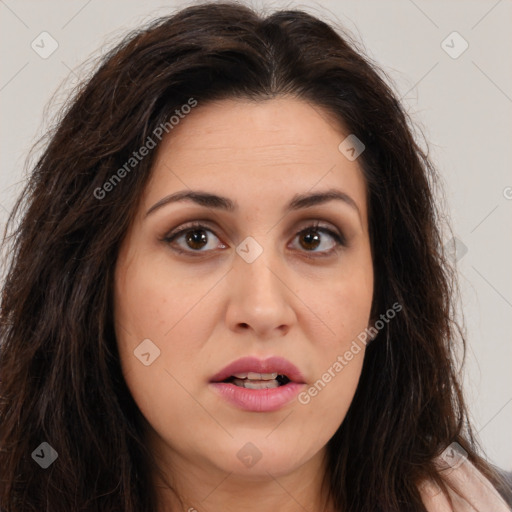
x=259 y=400
x=252 y=364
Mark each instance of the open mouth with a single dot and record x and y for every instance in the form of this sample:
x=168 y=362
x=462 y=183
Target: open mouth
x=252 y=380
x=258 y=385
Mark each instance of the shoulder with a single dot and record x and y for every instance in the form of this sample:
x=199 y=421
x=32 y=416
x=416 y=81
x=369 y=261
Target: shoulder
x=468 y=489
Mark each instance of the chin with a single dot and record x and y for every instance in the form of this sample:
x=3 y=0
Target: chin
x=257 y=459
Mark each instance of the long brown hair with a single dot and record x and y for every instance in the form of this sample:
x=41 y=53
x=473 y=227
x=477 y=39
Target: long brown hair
x=61 y=381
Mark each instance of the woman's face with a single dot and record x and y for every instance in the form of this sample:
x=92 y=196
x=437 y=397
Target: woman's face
x=255 y=280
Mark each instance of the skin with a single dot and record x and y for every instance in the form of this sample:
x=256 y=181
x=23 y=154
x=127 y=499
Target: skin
x=205 y=312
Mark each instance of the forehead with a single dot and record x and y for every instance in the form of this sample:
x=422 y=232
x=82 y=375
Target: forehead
x=277 y=128
x=269 y=149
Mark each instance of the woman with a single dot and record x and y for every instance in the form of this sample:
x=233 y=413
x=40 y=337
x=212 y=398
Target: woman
x=228 y=290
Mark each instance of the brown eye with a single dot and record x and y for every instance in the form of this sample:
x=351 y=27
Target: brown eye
x=313 y=237
x=193 y=239
x=311 y=240
x=196 y=239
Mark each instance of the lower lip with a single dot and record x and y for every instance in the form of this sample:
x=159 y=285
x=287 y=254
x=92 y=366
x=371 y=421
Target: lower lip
x=258 y=400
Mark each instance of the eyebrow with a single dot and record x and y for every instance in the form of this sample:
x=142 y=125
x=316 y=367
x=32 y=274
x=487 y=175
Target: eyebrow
x=298 y=201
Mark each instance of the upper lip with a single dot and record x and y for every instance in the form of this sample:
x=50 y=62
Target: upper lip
x=277 y=365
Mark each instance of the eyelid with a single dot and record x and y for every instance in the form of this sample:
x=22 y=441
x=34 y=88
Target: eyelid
x=182 y=229
x=326 y=228
x=196 y=224
x=308 y=225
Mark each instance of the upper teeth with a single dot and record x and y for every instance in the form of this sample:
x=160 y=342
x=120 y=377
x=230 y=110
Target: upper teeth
x=256 y=376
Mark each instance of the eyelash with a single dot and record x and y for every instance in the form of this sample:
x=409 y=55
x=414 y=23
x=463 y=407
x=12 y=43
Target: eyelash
x=197 y=226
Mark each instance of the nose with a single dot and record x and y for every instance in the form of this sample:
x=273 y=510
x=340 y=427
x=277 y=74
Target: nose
x=260 y=299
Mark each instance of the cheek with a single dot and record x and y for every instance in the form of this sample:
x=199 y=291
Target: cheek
x=330 y=396
x=354 y=294
x=344 y=306
x=153 y=303
x=147 y=306
x=154 y=300
x=340 y=360
x=350 y=310
x=143 y=299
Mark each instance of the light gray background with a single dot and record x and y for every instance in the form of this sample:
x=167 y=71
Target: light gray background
x=462 y=105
